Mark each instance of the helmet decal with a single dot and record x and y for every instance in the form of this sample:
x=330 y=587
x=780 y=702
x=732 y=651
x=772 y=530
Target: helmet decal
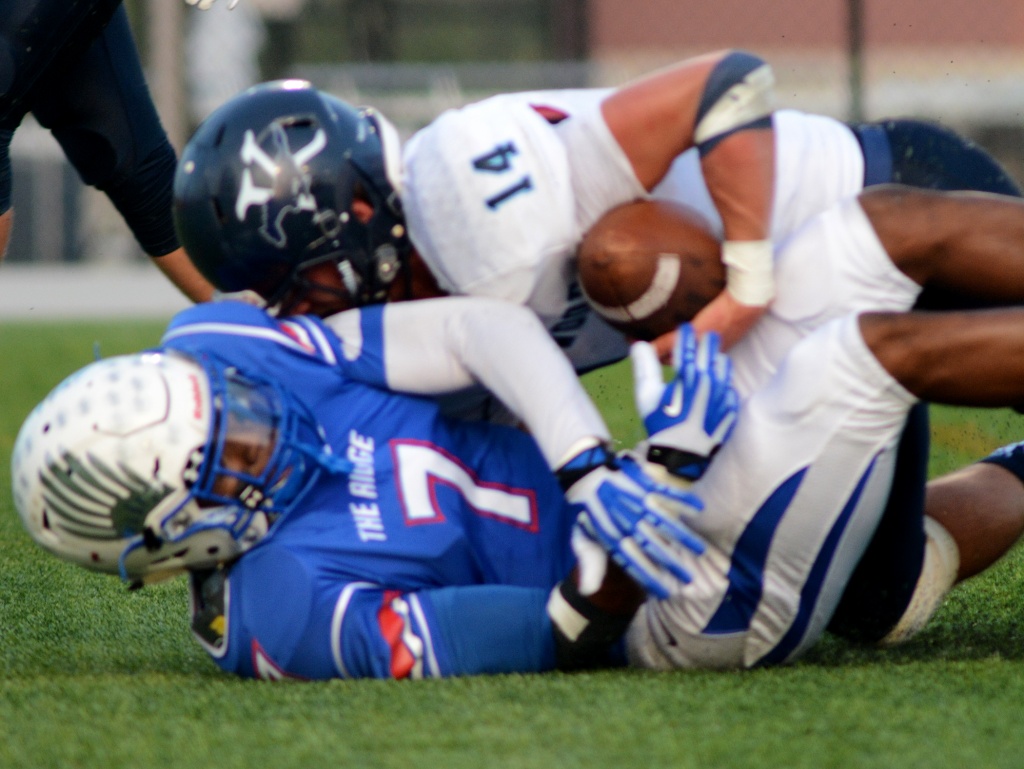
x=266 y=190
x=290 y=189
x=95 y=501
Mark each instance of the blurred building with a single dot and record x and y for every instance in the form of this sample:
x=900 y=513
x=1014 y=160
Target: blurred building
x=942 y=59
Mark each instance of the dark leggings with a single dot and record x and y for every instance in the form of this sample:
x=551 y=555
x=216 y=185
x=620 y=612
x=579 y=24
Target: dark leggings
x=920 y=153
x=93 y=97
x=37 y=37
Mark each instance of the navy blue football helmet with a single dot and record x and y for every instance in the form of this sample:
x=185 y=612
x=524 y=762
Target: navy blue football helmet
x=265 y=189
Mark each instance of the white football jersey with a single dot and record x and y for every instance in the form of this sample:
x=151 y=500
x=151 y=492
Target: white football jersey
x=499 y=193
x=496 y=207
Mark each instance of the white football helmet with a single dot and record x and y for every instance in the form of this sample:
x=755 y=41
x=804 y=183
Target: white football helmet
x=128 y=465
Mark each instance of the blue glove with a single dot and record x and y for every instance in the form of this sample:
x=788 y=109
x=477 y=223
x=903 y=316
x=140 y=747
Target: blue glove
x=688 y=419
x=624 y=513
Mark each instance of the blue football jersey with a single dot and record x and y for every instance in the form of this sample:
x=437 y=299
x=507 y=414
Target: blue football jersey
x=433 y=556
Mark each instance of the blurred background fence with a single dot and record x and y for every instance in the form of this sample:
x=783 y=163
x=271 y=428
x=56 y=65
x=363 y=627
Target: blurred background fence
x=962 y=63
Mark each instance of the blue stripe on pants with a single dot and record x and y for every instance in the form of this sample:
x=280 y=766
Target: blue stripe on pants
x=746 y=573
x=816 y=578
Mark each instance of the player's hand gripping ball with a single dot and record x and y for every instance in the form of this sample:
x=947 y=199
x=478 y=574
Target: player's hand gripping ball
x=650 y=265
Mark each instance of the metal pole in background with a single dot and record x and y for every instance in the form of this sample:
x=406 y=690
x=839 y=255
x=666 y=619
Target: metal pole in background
x=570 y=29
x=165 y=71
x=855 y=39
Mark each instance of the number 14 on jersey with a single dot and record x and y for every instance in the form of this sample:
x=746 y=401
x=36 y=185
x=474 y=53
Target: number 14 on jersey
x=499 y=161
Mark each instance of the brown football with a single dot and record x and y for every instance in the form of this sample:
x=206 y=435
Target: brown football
x=649 y=265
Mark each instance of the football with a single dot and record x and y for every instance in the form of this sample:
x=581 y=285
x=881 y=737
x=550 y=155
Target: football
x=649 y=265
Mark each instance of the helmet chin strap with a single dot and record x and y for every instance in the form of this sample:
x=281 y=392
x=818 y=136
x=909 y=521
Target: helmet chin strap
x=327 y=459
x=216 y=533
x=227 y=532
x=299 y=287
x=406 y=269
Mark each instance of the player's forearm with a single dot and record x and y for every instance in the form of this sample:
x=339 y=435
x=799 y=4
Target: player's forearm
x=445 y=345
x=740 y=173
x=517 y=361
x=183 y=274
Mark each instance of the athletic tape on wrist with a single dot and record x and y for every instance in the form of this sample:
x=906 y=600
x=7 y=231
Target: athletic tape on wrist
x=583 y=633
x=567 y=619
x=749 y=277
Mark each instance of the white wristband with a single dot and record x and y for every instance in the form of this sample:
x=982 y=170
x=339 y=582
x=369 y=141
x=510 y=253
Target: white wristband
x=749 y=277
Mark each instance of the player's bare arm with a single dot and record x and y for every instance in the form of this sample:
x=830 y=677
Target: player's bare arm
x=721 y=104
x=180 y=270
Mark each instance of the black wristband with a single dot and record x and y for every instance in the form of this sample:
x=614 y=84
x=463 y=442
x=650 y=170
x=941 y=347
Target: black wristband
x=584 y=634
x=684 y=464
x=583 y=463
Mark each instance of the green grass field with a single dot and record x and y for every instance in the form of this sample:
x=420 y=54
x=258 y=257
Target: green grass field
x=94 y=676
